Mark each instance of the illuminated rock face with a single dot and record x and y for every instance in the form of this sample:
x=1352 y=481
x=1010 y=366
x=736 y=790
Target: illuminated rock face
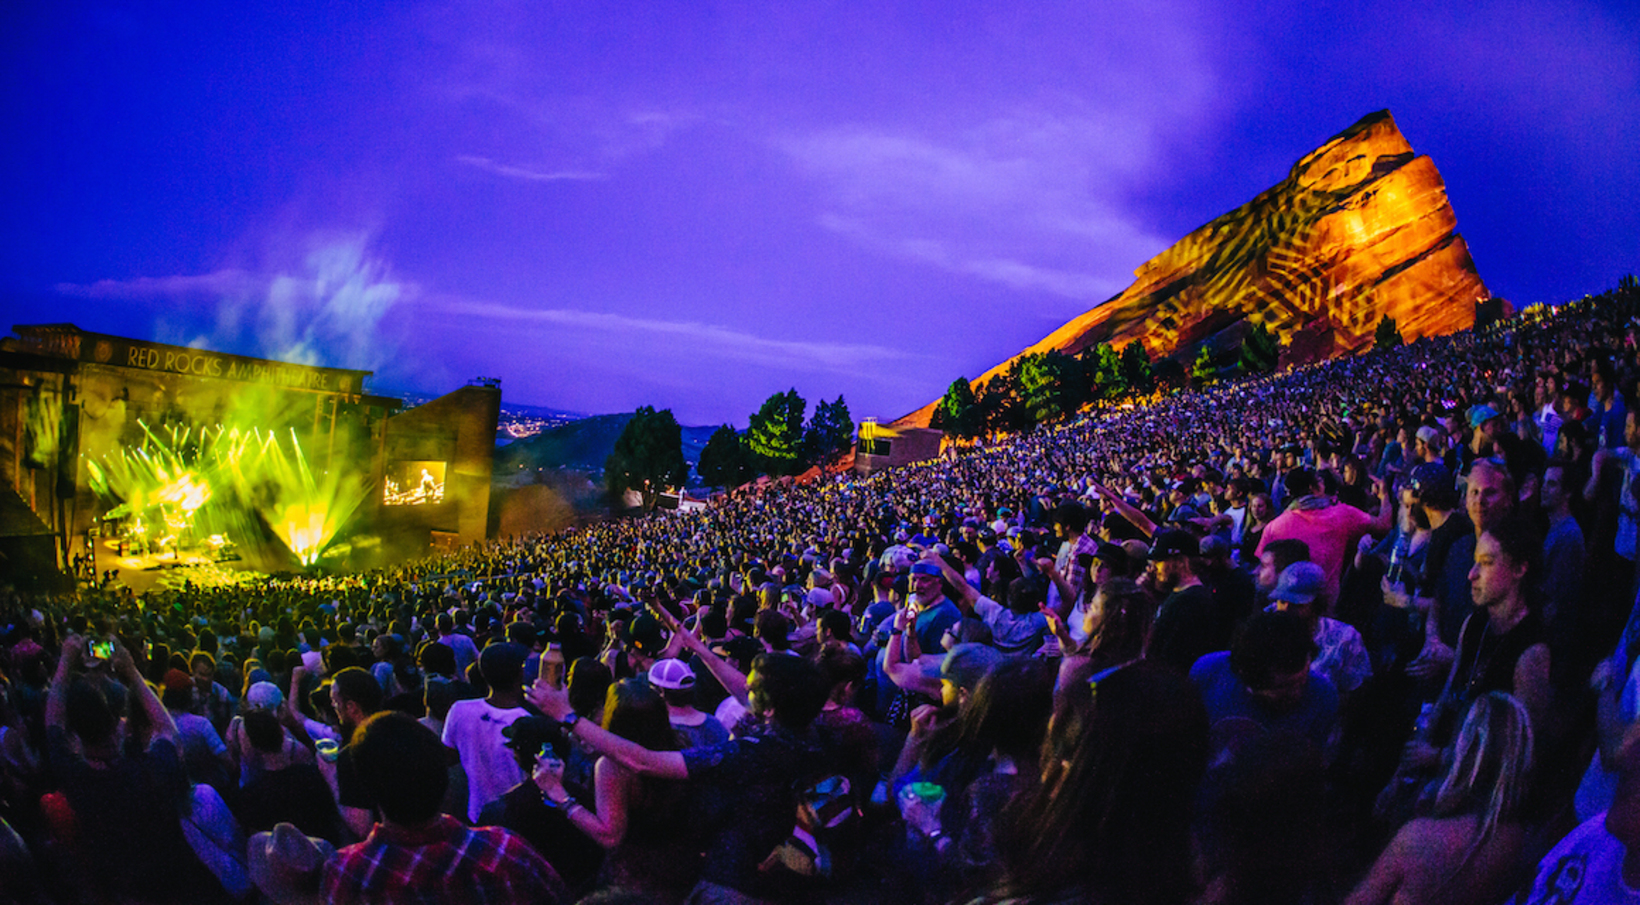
x=1360 y=228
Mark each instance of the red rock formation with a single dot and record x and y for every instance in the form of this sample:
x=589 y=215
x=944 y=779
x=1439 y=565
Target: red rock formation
x=1360 y=228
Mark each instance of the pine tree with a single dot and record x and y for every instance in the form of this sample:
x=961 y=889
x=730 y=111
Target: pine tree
x=1135 y=367
x=957 y=412
x=775 y=435
x=1259 y=351
x=1043 y=385
x=830 y=433
x=1387 y=336
x=1202 y=371
x=648 y=456
x=723 y=461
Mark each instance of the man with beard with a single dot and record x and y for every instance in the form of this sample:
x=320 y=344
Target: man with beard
x=1188 y=623
x=356 y=696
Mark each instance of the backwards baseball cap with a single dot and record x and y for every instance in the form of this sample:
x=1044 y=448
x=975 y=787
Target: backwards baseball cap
x=1431 y=477
x=645 y=632
x=1113 y=556
x=674 y=675
x=1481 y=414
x=263 y=696
x=1174 y=543
x=1428 y=434
x=1300 y=583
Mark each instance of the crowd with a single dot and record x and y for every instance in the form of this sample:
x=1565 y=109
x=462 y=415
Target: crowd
x=1358 y=632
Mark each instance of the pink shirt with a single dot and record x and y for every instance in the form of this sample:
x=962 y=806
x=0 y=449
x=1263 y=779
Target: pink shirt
x=1332 y=534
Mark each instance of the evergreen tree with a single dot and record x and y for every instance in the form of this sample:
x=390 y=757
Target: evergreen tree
x=1388 y=335
x=1259 y=351
x=1169 y=373
x=723 y=461
x=958 y=412
x=830 y=433
x=1135 y=369
x=1001 y=408
x=1202 y=371
x=648 y=456
x=775 y=435
x=1044 y=386
x=1108 y=380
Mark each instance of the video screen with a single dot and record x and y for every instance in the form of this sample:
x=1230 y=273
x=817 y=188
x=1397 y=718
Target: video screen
x=413 y=484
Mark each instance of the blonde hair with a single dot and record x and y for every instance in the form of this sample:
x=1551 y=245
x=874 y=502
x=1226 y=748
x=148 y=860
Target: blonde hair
x=1490 y=768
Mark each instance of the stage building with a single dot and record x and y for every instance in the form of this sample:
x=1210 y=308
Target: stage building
x=151 y=454
x=879 y=446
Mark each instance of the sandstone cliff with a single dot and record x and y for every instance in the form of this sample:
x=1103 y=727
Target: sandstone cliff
x=1360 y=228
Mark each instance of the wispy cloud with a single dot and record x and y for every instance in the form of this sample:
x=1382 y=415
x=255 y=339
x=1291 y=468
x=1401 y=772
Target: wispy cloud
x=724 y=343
x=1009 y=272
x=501 y=169
x=326 y=310
x=1031 y=202
x=226 y=282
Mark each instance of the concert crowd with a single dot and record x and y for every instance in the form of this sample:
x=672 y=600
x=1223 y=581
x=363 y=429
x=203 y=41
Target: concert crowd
x=1362 y=631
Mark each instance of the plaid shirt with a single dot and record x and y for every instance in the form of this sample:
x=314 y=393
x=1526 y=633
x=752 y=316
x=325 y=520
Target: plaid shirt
x=446 y=862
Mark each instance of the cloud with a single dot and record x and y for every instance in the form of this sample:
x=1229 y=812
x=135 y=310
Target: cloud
x=721 y=342
x=501 y=169
x=1029 y=201
x=326 y=310
x=180 y=288
x=1014 y=274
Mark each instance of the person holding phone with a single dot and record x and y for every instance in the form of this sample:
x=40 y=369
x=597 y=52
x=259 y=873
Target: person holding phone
x=125 y=798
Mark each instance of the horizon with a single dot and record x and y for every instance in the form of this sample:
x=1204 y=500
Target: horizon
x=693 y=209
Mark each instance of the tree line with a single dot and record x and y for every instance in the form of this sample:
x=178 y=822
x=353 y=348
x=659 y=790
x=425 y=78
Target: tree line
x=779 y=440
x=1038 y=388
x=1043 y=387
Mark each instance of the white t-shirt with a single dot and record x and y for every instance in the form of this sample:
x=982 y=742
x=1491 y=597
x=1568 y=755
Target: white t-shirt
x=473 y=728
x=1586 y=868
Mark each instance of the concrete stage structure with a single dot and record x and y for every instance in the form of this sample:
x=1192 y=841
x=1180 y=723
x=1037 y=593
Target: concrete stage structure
x=126 y=448
x=879 y=446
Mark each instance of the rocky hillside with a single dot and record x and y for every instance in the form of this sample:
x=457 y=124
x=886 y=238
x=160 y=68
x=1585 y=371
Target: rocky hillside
x=1360 y=228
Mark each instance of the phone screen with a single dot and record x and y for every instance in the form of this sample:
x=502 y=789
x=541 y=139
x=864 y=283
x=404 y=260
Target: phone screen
x=101 y=650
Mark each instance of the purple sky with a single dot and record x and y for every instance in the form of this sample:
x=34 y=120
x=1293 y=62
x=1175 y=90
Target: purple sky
x=691 y=206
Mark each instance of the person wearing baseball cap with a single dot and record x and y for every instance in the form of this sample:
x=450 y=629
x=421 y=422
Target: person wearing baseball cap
x=1188 y=623
x=675 y=680
x=1341 y=655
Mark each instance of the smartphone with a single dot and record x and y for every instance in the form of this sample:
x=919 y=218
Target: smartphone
x=100 y=650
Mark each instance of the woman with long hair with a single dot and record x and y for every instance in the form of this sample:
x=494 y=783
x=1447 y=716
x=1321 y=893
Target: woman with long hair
x=1108 y=817
x=638 y=820
x=1469 y=847
x=1261 y=510
x=1118 y=619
